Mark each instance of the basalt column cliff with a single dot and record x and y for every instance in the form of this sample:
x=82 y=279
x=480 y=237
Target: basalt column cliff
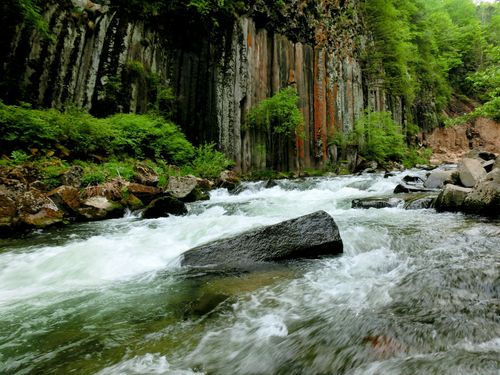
x=104 y=60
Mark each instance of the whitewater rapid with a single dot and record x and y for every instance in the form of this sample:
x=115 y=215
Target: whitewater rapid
x=111 y=297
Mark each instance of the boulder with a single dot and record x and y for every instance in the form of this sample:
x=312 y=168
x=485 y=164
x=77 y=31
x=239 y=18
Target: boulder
x=228 y=180
x=481 y=155
x=484 y=198
x=270 y=184
x=471 y=171
x=438 y=178
x=412 y=179
x=163 y=207
x=419 y=202
x=24 y=173
x=376 y=203
x=99 y=208
x=132 y=202
x=145 y=193
x=406 y=188
x=8 y=209
x=67 y=198
x=308 y=236
x=35 y=209
x=451 y=198
x=73 y=176
x=145 y=175
x=186 y=188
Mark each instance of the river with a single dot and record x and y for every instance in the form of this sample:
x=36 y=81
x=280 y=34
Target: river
x=415 y=292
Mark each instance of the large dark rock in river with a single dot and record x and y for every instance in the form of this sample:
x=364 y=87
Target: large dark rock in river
x=308 y=236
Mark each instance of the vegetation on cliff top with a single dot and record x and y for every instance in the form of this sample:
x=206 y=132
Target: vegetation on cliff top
x=427 y=49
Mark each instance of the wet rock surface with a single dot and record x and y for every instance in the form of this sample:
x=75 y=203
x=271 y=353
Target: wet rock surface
x=163 y=207
x=308 y=236
x=367 y=203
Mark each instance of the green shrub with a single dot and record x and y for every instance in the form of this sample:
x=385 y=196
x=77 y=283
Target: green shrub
x=279 y=113
x=378 y=137
x=415 y=156
x=208 y=162
x=119 y=136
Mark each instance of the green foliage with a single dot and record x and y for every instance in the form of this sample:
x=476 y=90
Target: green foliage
x=51 y=170
x=279 y=113
x=415 y=156
x=208 y=162
x=30 y=12
x=424 y=49
x=123 y=135
x=19 y=157
x=94 y=174
x=378 y=137
x=148 y=136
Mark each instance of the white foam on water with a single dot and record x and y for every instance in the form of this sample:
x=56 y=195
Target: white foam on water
x=148 y=364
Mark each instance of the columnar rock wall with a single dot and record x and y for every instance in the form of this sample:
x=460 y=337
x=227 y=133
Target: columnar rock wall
x=216 y=81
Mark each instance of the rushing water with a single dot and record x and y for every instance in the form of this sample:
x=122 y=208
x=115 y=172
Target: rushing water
x=415 y=292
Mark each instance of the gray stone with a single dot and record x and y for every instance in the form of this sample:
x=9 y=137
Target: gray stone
x=412 y=179
x=308 y=236
x=419 y=203
x=451 y=198
x=406 y=188
x=186 y=188
x=437 y=179
x=367 y=203
x=485 y=197
x=471 y=171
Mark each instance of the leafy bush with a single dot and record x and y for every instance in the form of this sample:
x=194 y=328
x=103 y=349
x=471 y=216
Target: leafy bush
x=124 y=135
x=279 y=113
x=209 y=162
x=379 y=138
x=414 y=156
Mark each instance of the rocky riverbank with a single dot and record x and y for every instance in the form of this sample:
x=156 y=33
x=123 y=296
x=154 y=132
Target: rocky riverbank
x=27 y=203
x=472 y=186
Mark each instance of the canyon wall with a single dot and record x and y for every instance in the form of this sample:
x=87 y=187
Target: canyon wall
x=97 y=57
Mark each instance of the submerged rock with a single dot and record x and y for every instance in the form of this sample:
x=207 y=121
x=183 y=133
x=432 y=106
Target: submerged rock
x=308 y=236
x=419 y=202
x=367 y=203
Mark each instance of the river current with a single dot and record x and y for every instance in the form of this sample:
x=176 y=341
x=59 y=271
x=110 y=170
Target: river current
x=415 y=292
